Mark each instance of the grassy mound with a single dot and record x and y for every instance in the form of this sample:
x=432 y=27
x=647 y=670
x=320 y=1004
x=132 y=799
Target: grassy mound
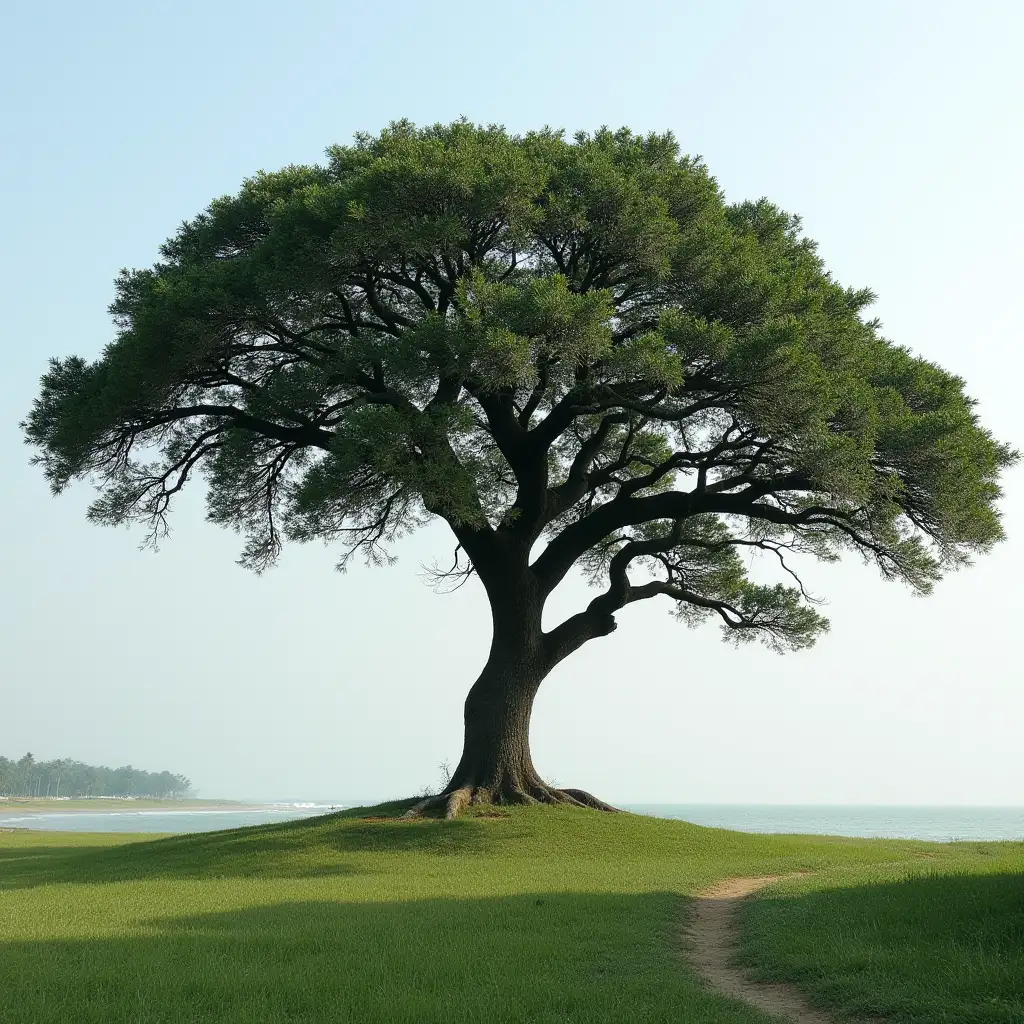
x=941 y=946
x=525 y=914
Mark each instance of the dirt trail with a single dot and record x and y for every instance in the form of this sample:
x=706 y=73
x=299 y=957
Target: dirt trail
x=712 y=936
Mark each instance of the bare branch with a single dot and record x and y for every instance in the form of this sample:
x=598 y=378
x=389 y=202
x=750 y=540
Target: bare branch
x=447 y=581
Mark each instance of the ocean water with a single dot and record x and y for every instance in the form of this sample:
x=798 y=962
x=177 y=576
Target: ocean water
x=190 y=820
x=936 y=824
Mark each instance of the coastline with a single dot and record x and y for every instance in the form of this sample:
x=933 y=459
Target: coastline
x=150 y=817
x=18 y=806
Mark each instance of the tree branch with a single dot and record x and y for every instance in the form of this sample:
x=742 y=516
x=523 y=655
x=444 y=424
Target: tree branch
x=579 y=537
x=308 y=435
x=598 y=619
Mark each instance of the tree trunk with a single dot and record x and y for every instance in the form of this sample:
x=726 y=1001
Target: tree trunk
x=496 y=766
x=496 y=749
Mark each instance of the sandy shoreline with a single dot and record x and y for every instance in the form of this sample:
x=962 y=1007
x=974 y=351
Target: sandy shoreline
x=13 y=810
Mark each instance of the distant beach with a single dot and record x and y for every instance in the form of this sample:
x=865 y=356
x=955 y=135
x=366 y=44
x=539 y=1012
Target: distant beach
x=21 y=805
x=154 y=817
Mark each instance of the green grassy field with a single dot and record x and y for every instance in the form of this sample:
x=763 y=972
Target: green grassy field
x=536 y=914
x=945 y=945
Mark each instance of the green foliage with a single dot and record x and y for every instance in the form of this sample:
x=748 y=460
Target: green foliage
x=526 y=336
x=27 y=777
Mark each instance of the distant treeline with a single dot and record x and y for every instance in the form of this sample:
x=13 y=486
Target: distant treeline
x=32 y=778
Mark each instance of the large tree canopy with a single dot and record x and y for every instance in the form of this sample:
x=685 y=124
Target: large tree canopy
x=576 y=354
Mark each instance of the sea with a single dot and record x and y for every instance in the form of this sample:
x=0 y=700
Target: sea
x=936 y=824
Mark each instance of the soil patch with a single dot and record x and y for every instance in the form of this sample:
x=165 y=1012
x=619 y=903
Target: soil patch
x=712 y=936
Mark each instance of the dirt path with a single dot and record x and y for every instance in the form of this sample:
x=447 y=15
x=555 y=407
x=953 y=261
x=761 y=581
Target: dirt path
x=713 y=934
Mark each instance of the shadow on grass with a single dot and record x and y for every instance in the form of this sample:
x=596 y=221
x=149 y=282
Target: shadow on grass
x=323 y=846
x=537 y=957
x=936 y=947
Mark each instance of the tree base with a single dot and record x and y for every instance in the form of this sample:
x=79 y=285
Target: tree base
x=454 y=800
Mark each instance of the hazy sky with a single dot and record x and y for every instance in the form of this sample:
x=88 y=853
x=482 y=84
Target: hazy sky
x=895 y=129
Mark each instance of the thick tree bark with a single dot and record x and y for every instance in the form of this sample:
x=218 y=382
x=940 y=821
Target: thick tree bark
x=496 y=749
x=496 y=766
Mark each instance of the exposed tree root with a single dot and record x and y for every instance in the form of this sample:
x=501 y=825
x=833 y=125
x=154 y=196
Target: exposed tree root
x=582 y=797
x=454 y=800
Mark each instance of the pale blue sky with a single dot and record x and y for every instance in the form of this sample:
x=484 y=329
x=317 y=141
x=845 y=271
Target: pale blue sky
x=894 y=128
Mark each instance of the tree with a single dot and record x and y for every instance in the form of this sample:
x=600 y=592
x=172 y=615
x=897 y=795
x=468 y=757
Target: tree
x=77 y=779
x=574 y=353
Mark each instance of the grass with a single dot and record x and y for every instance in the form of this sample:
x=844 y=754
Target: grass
x=533 y=915
x=946 y=945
